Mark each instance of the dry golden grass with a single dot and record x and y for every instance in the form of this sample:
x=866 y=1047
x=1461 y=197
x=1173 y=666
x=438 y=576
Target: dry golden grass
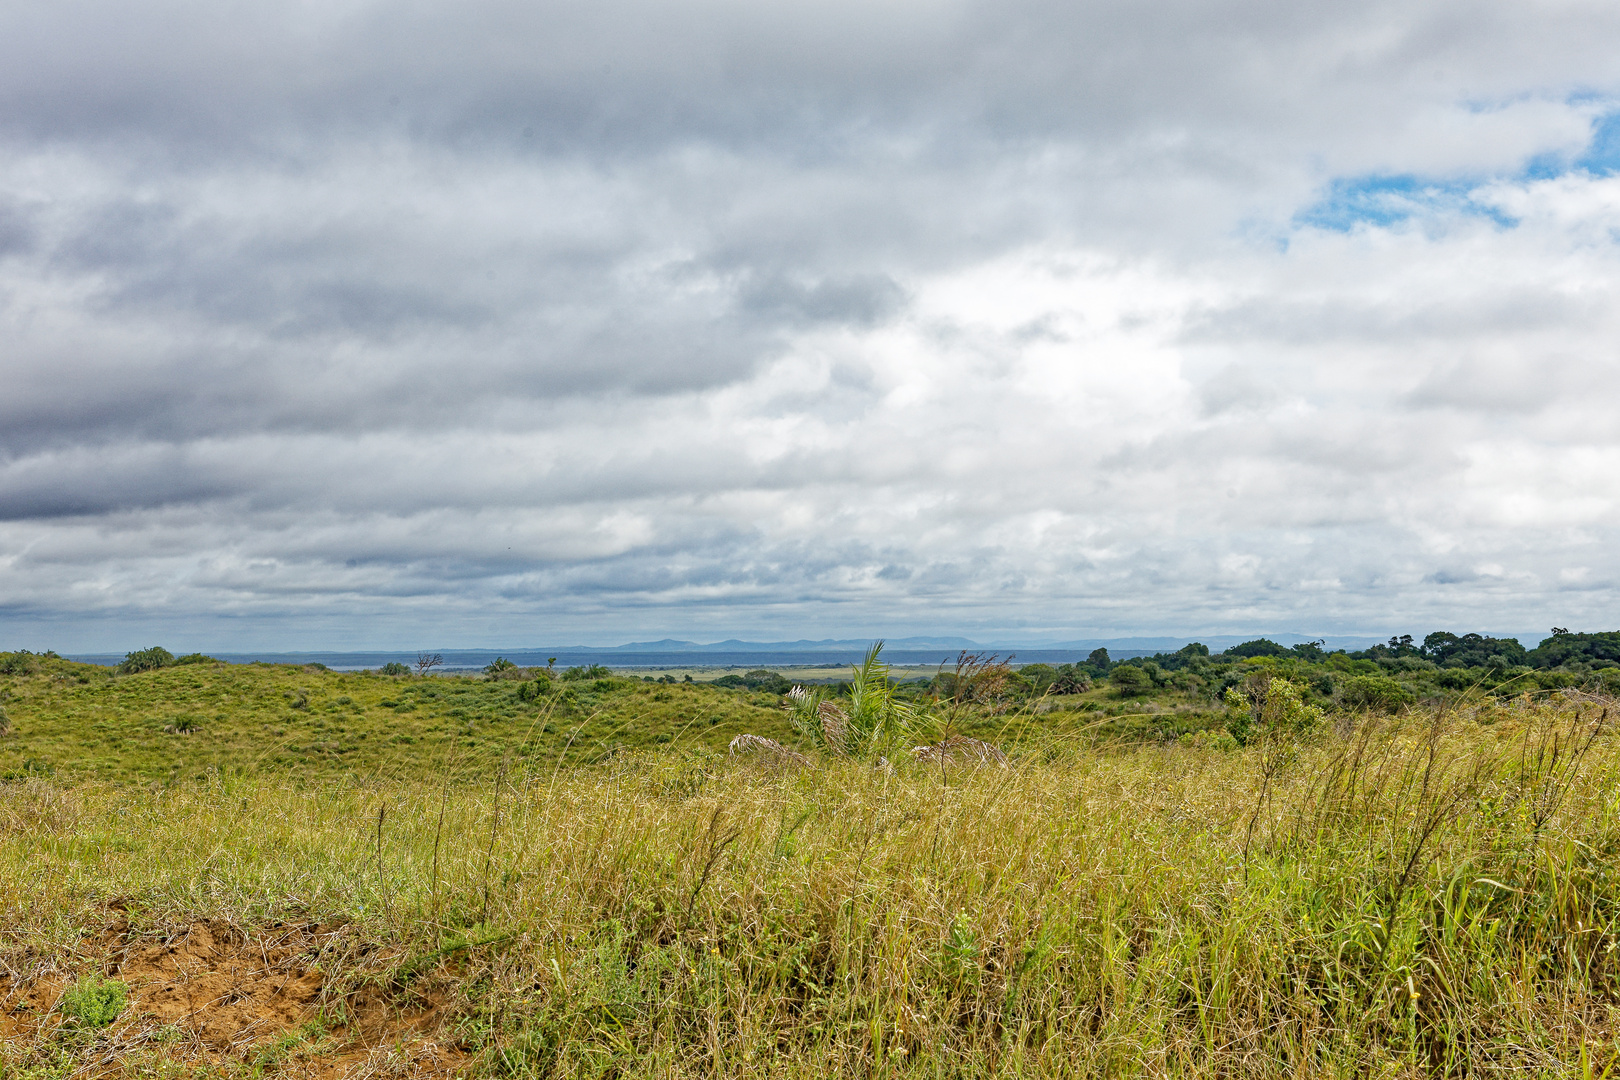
x=1429 y=895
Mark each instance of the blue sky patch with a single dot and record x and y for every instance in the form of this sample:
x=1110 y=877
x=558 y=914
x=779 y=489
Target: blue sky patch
x=1602 y=156
x=1384 y=200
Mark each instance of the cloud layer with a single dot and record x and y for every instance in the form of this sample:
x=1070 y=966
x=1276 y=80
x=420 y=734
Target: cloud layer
x=377 y=324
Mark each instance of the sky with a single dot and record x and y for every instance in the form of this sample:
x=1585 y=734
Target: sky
x=364 y=324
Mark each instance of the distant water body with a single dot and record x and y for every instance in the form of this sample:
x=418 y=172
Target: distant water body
x=475 y=659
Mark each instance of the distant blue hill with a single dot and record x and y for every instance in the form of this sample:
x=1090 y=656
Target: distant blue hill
x=803 y=644
x=828 y=652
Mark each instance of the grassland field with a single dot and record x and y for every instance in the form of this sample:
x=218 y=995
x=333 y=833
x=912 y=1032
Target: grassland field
x=257 y=871
x=308 y=725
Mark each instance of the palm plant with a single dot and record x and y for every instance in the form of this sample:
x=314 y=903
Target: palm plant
x=870 y=723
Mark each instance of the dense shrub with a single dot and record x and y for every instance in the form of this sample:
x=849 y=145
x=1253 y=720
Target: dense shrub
x=1258 y=647
x=580 y=674
x=21 y=662
x=1379 y=693
x=146 y=660
x=502 y=668
x=1037 y=677
x=1565 y=648
x=536 y=688
x=1472 y=650
x=394 y=667
x=1130 y=681
x=769 y=681
x=1270 y=708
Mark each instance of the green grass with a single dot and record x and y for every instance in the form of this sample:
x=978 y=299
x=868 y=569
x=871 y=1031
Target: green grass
x=183 y=723
x=1429 y=894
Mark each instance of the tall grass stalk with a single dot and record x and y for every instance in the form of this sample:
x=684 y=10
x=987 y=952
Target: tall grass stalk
x=1422 y=895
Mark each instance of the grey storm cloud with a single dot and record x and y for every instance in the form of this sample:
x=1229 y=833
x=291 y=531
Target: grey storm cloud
x=339 y=324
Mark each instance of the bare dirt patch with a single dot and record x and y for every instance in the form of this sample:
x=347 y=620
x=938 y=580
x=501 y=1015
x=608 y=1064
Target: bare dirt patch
x=212 y=994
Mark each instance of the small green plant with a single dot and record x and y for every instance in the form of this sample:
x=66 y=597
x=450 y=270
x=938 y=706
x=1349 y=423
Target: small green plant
x=93 y=1002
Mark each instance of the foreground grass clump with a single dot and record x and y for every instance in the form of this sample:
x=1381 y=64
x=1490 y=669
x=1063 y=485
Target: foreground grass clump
x=1424 y=895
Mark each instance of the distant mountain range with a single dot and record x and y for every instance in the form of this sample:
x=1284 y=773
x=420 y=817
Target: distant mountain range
x=674 y=653
x=802 y=645
x=1131 y=644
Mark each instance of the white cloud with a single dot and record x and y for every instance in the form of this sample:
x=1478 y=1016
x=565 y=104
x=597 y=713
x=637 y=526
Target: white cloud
x=511 y=323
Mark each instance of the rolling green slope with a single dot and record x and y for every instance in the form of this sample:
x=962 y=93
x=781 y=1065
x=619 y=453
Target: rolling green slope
x=79 y=721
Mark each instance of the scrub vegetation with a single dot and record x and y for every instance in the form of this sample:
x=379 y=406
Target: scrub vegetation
x=1270 y=862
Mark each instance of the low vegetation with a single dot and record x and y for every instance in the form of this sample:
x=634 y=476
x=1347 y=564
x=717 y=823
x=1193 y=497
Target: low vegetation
x=1246 y=877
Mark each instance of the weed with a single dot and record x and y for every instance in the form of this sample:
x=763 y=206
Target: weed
x=93 y=1002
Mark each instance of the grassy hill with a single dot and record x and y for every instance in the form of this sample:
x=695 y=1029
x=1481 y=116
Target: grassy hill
x=308 y=724
x=283 y=872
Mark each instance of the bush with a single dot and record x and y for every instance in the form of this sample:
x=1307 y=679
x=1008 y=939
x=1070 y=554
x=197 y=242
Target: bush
x=1071 y=679
x=760 y=679
x=1258 y=647
x=203 y=658
x=1271 y=708
x=580 y=674
x=1378 y=693
x=93 y=1002
x=394 y=667
x=146 y=660
x=1209 y=739
x=21 y=662
x=1564 y=647
x=1130 y=681
x=1039 y=677
x=534 y=689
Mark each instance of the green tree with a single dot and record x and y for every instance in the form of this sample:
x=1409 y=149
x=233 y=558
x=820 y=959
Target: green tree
x=1130 y=680
x=1473 y=650
x=146 y=660
x=1379 y=693
x=1258 y=647
x=1271 y=709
